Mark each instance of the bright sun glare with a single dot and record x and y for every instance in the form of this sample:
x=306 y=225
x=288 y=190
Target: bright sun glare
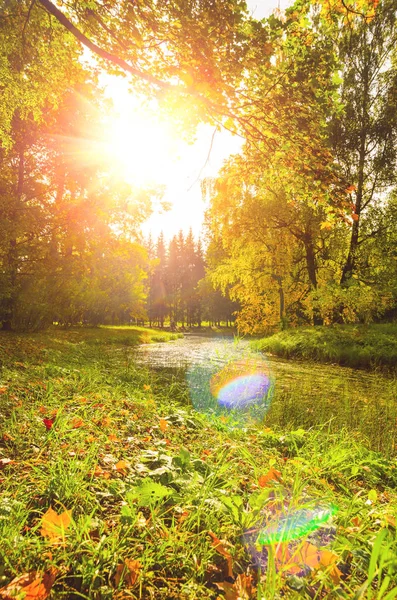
x=142 y=148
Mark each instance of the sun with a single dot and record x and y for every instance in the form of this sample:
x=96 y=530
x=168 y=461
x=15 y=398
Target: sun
x=142 y=148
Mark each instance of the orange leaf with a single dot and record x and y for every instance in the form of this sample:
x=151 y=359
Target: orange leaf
x=122 y=467
x=310 y=556
x=30 y=586
x=356 y=521
x=127 y=572
x=241 y=589
x=76 y=423
x=42 y=410
x=163 y=425
x=54 y=525
x=350 y=189
x=271 y=475
x=113 y=438
x=220 y=548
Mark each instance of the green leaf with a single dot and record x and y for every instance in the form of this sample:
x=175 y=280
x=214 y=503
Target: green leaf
x=149 y=493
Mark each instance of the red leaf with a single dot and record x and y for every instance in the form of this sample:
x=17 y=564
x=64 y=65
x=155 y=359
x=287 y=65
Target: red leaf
x=48 y=423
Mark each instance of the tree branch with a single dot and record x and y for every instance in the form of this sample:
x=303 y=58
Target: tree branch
x=55 y=12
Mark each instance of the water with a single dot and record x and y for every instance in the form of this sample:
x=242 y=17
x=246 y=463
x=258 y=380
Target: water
x=306 y=393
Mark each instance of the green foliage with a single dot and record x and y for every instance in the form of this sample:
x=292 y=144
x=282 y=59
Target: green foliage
x=355 y=346
x=138 y=493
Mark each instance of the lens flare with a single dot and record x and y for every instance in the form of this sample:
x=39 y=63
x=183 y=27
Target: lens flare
x=286 y=529
x=295 y=525
x=234 y=385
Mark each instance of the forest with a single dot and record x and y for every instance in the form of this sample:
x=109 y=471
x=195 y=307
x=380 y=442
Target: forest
x=300 y=226
x=193 y=415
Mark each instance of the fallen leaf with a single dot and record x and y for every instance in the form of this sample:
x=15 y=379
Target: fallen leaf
x=113 y=438
x=241 y=589
x=30 y=586
x=128 y=572
x=76 y=423
x=6 y=461
x=271 y=475
x=308 y=555
x=146 y=387
x=122 y=467
x=163 y=425
x=219 y=547
x=54 y=525
x=391 y=520
x=356 y=521
x=42 y=410
x=48 y=423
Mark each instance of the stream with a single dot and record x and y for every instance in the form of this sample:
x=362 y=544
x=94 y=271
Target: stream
x=305 y=393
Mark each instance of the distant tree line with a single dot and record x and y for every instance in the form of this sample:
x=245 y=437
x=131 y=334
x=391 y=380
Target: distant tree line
x=178 y=293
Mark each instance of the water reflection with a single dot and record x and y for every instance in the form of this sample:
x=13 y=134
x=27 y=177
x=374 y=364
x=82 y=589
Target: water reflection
x=306 y=393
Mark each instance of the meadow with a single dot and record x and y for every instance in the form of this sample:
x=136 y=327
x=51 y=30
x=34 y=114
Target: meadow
x=112 y=486
x=360 y=346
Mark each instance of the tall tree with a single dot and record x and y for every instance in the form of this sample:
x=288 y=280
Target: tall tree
x=364 y=133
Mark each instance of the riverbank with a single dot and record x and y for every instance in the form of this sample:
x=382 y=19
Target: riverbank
x=112 y=486
x=358 y=346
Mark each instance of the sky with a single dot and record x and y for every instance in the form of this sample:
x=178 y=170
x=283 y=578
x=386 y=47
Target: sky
x=169 y=161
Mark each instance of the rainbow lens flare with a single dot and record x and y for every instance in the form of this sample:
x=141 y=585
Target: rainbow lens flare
x=286 y=529
x=296 y=524
x=234 y=385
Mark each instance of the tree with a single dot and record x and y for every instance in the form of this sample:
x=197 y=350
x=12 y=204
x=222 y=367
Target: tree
x=364 y=134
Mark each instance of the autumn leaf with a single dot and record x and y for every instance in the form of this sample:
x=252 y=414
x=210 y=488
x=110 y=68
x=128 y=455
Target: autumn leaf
x=391 y=521
x=48 y=423
x=54 y=525
x=122 y=467
x=6 y=461
x=163 y=425
x=30 y=586
x=350 y=189
x=219 y=547
x=76 y=423
x=326 y=225
x=308 y=555
x=146 y=387
x=356 y=521
x=241 y=589
x=113 y=438
x=128 y=572
x=99 y=472
x=271 y=475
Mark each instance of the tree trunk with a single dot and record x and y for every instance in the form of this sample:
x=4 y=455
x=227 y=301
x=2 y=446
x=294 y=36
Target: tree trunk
x=312 y=274
x=349 y=266
x=12 y=254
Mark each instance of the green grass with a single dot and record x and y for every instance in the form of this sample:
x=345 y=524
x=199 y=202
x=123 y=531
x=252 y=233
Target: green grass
x=146 y=479
x=358 y=346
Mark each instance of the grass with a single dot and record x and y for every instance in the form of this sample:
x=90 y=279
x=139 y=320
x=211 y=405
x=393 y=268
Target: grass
x=154 y=501
x=358 y=346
